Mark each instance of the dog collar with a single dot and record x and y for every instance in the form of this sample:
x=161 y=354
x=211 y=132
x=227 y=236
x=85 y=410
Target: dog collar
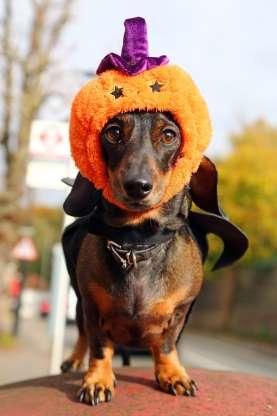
x=129 y=256
x=130 y=245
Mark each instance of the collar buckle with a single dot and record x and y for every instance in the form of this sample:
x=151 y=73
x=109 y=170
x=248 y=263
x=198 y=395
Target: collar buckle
x=126 y=258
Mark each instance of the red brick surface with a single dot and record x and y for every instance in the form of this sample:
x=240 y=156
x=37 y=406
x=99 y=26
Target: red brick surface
x=220 y=394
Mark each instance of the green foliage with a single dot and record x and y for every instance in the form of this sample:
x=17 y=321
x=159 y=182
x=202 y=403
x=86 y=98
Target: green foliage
x=6 y=341
x=47 y=224
x=248 y=191
x=215 y=248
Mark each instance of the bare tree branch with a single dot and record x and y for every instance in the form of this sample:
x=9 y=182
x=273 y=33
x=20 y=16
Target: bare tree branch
x=8 y=80
x=37 y=61
x=66 y=7
x=28 y=89
x=36 y=58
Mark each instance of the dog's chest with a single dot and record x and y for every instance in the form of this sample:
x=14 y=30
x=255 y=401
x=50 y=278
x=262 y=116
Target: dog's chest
x=132 y=320
x=129 y=294
x=126 y=309
x=140 y=289
x=137 y=308
x=138 y=305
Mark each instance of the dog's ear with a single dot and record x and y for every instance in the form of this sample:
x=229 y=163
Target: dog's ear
x=82 y=198
x=203 y=187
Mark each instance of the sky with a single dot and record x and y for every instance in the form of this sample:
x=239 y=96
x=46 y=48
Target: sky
x=229 y=47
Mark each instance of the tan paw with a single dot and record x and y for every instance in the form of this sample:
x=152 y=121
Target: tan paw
x=175 y=380
x=97 y=388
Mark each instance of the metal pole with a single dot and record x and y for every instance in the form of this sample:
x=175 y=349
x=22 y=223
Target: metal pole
x=59 y=295
x=23 y=270
x=60 y=284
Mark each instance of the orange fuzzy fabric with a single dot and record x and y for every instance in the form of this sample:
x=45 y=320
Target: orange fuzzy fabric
x=94 y=105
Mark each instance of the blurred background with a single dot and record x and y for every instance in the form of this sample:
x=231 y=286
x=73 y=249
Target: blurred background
x=48 y=49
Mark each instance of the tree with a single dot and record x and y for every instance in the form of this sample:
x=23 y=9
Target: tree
x=248 y=190
x=248 y=194
x=25 y=71
x=47 y=225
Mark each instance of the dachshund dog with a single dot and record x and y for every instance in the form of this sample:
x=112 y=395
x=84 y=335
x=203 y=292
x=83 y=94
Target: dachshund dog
x=136 y=273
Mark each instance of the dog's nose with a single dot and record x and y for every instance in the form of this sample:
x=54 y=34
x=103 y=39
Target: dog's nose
x=138 y=188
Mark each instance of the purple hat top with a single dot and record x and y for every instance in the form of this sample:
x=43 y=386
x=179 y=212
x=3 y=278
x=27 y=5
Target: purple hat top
x=134 y=57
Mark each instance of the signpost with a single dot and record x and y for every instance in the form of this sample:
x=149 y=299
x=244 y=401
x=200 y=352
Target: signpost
x=59 y=293
x=49 y=162
x=49 y=155
x=49 y=140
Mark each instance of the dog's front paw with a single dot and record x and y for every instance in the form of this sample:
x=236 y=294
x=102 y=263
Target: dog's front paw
x=97 y=388
x=175 y=380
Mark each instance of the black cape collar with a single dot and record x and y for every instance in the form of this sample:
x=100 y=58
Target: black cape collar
x=146 y=234
x=86 y=202
x=129 y=245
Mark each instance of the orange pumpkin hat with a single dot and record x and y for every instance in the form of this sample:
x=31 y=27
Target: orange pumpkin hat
x=130 y=82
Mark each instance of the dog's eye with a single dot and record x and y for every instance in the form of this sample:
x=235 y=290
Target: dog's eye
x=113 y=134
x=169 y=136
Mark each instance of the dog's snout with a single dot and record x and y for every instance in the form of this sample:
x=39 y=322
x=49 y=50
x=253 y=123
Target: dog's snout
x=138 y=188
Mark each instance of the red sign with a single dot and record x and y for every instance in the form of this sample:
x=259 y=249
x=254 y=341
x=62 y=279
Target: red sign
x=25 y=250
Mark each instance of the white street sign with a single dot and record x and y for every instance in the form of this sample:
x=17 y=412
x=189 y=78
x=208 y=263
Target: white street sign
x=45 y=174
x=49 y=140
x=49 y=155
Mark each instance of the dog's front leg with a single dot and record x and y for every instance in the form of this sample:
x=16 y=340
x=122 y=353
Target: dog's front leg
x=99 y=381
x=170 y=374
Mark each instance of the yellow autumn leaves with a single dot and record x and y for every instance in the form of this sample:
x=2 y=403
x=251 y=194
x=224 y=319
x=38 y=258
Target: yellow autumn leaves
x=248 y=190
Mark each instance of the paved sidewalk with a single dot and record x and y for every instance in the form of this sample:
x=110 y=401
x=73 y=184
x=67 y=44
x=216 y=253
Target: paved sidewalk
x=228 y=353
x=29 y=358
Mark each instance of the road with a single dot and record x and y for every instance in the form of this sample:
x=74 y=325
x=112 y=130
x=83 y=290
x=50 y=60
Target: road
x=217 y=352
x=30 y=357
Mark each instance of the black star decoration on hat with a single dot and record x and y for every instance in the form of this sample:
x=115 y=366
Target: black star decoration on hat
x=156 y=87
x=117 y=92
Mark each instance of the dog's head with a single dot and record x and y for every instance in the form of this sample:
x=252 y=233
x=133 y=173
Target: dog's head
x=139 y=129
x=110 y=121
x=175 y=108
x=140 y=150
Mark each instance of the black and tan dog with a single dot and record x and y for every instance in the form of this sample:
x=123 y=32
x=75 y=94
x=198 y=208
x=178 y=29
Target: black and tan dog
x=136 y=273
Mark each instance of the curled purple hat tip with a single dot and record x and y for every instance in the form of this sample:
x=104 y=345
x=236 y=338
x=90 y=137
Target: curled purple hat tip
x=134 y=54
